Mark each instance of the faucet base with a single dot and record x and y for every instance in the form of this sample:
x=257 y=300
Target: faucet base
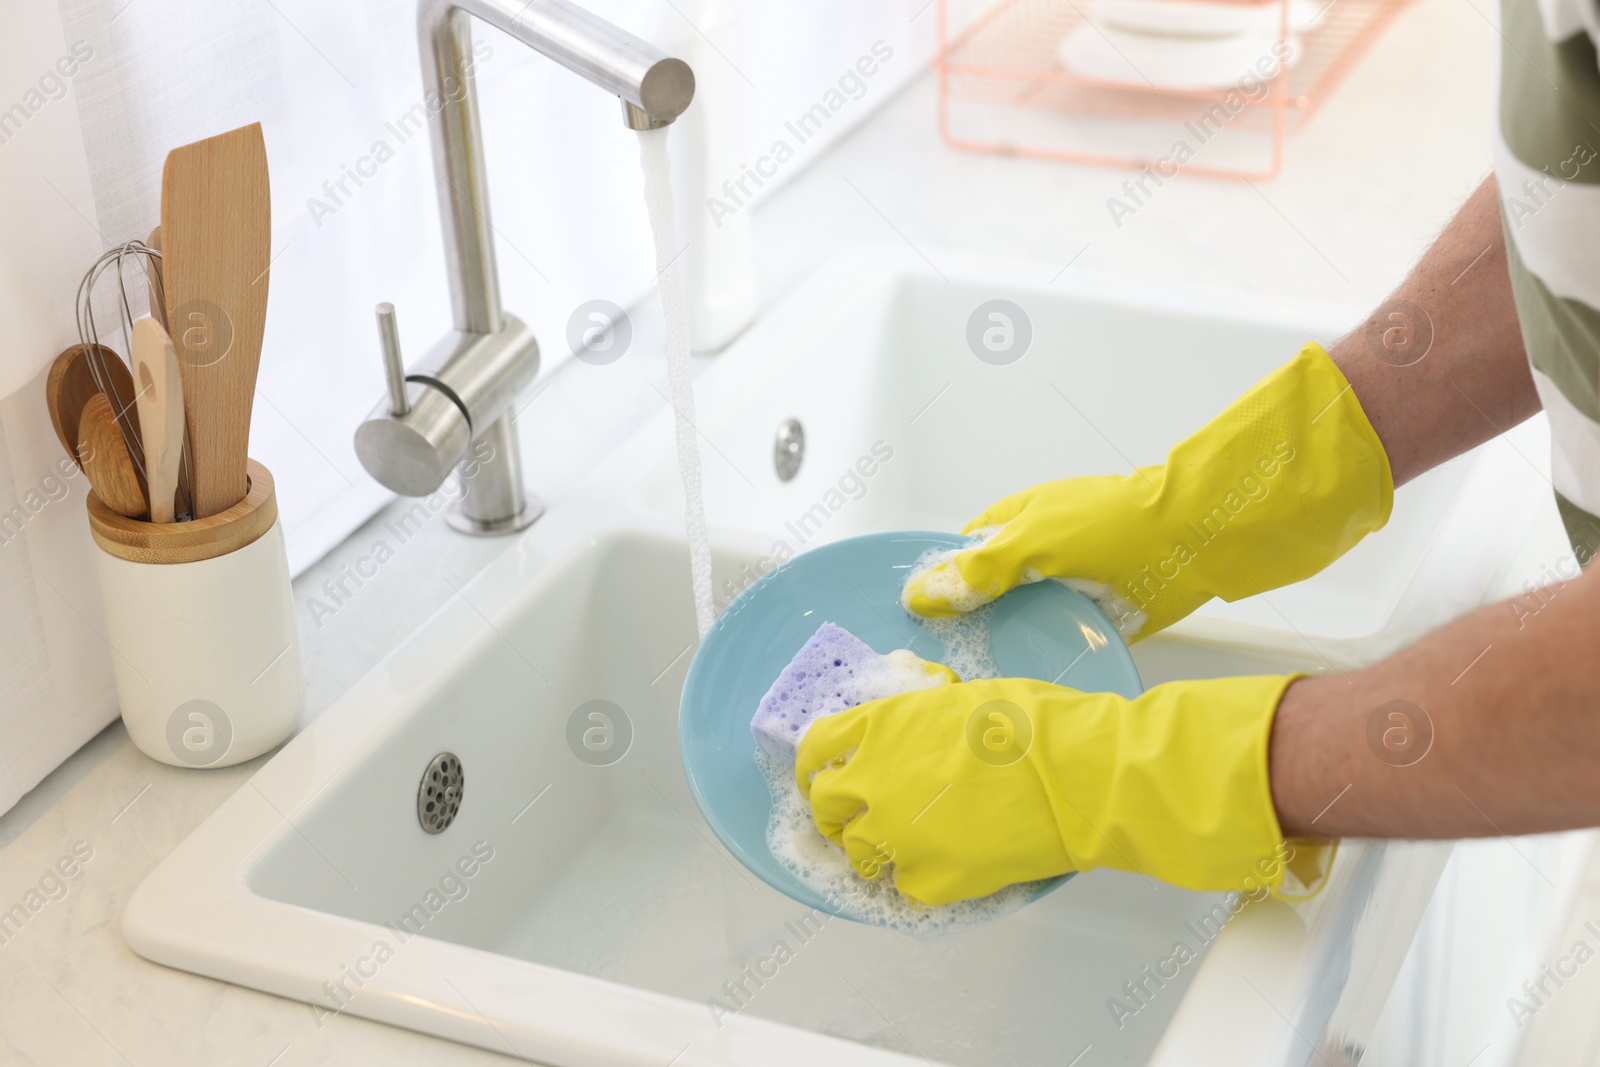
x=456 y=515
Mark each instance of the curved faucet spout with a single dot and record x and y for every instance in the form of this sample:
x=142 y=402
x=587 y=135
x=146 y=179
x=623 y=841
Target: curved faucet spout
x=456 y=406
x=653 y=83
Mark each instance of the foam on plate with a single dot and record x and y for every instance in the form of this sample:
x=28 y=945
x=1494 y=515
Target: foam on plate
x=949 y=585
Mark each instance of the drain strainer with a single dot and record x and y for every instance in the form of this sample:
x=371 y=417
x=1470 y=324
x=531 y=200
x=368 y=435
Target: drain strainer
x=788 y=449
x=439 y=795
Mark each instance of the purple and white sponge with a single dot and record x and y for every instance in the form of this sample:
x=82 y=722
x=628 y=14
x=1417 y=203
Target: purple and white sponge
x=833 y=672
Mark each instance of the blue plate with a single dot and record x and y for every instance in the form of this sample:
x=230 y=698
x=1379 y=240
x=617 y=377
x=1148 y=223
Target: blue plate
x=1043 y=631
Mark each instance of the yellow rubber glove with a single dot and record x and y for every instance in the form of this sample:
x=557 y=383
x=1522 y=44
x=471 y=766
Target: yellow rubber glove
x=1278 y=486
x=967 y=788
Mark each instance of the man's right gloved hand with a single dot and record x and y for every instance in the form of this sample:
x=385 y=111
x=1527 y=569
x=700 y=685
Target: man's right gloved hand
x=1278 y=486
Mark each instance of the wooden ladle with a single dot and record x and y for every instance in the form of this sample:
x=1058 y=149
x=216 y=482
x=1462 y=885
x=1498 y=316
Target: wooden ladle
x=105 y=459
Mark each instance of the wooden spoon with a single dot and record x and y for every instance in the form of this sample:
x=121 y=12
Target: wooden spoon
x=155 y=369
x=69 y=386
x=216 y=237
x=105 y=459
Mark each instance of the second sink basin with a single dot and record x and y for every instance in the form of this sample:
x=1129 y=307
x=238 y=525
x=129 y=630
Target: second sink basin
x=910 y=422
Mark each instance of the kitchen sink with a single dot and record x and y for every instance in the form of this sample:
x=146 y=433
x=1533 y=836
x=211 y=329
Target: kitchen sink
x=573 y=907
x=611 y=919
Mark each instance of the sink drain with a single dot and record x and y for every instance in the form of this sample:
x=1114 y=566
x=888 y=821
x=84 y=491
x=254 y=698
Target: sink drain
x=439 y=794
x=788 y=449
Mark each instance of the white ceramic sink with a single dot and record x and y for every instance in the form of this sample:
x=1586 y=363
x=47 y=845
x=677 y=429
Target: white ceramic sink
x=577 y=911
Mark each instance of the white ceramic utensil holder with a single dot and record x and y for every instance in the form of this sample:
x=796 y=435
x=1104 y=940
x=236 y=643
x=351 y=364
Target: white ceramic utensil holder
x=202 y=631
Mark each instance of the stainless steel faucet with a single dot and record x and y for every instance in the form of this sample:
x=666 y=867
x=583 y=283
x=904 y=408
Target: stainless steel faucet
x=456 y=406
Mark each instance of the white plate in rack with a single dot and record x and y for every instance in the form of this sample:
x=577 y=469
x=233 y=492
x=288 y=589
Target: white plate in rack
x=1201 y=18
x=1182 y=64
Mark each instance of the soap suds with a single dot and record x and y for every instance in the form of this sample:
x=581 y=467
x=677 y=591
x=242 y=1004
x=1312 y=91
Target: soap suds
x=823 y=866
x=949 y=586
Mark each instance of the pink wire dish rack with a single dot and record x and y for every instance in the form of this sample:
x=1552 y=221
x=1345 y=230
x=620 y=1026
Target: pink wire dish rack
x=1004 y=89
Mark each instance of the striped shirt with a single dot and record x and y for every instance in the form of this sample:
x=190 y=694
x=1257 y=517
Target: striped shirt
x=1547 y=164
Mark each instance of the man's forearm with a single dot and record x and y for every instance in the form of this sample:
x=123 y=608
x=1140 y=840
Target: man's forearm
x=1454 y=316
x=1487 y=726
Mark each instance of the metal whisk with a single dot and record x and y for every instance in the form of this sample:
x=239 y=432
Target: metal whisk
x=109 y=269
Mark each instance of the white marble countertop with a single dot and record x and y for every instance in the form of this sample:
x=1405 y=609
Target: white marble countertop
x=1362 y=192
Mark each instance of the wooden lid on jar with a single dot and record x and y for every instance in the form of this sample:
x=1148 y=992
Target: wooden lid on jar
x=186 y=542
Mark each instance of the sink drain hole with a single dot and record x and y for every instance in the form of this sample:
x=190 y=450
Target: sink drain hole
x=788 y=449
x=439 y=794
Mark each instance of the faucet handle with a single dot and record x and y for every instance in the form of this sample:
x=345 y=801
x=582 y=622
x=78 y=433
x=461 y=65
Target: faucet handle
x=394 y=367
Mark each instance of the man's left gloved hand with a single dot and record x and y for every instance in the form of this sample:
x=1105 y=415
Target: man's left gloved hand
x=967 y=788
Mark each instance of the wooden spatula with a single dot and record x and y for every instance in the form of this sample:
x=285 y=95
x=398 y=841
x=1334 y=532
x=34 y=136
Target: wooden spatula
x=216 y=242
x=160 y=392
x=105 y=459
x=71 y=383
